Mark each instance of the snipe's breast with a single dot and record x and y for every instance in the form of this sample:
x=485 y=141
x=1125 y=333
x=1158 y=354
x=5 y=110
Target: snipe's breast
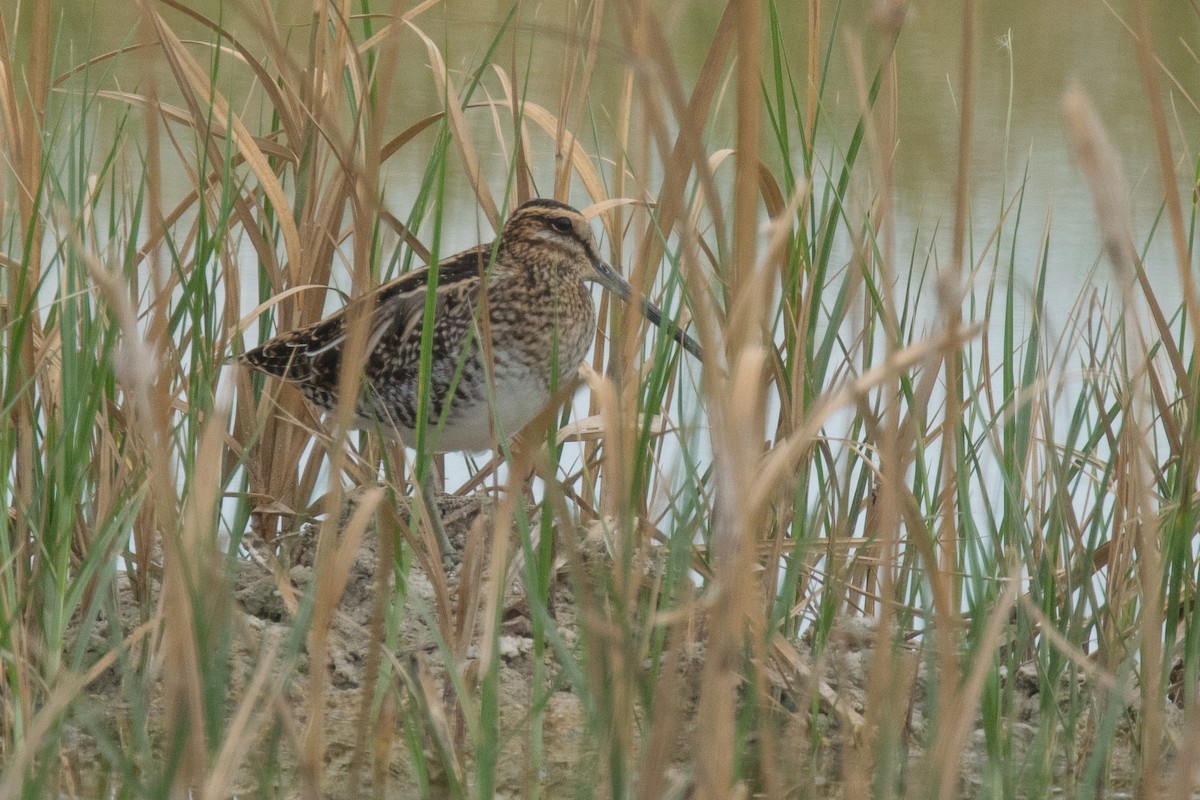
x=536 y=344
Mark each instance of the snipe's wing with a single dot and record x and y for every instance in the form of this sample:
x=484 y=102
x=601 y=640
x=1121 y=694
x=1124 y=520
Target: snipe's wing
x=313 y=354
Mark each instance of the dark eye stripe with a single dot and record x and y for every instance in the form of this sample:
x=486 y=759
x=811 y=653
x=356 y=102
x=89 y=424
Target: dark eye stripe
x=561 y=224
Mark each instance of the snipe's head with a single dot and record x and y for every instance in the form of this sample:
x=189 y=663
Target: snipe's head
x=545 y=234
x=551 y=237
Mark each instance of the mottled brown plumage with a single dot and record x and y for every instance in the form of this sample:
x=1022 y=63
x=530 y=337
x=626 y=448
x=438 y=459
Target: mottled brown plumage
x=541 y=321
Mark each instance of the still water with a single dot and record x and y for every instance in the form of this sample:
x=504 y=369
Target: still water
x=1027 y=52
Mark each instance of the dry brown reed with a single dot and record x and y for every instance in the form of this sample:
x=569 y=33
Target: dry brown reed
x=23 y=97
x=304 y=197
x=1139 y=534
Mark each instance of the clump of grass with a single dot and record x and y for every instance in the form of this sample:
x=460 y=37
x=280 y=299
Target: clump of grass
x=835 y=456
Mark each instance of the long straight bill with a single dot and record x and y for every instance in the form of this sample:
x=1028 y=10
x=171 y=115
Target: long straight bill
x=655 y=315
x=612 y=280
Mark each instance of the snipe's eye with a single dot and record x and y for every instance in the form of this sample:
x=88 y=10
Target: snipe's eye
x=561 y=224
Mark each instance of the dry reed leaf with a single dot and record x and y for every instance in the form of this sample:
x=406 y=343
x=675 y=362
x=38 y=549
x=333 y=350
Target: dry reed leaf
x=245 y=322
x=408 y=134
x=616 y=455
x=421 y=508
x=520 y=170
x=470 y=579
x=67 y=689
x=786 y=654
x=10 y=117
x=331 y=574
x=257 y=237
x=1187 y=755
x=1088 y=665
x=283 y=582
x=346 y=64
x=409 y=238
x=1166 y=338
x=747 y=140
x=244 y=727
x=580 y=161
x=572 y=95
x=1102 y=168
x=779 y=226
x=405 y=19
x=1135 y=522
x=777 y=464
x=666 y=723
x=281 y=101
x=485 y=471
x=90 y=63
x=192 y=75
x=660 y=79
x=333 y=583
x=746 y=405
x=200 y=507
x=702 y=290
x=183 y=117
x=435 y=718
x=601 y=207
x=842 y=546
x=954 y=733
x=712 y=163
x=593 y=428
x=25 y=108
x=768 y=189
x=1149 y=65
x=460 y=129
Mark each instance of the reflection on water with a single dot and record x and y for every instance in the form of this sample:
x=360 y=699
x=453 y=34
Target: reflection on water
x=1027 y=52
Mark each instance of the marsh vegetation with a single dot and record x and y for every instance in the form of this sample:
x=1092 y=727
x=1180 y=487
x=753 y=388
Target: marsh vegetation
x=923 y=523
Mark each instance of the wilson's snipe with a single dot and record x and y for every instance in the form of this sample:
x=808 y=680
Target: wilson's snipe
x=541 y=322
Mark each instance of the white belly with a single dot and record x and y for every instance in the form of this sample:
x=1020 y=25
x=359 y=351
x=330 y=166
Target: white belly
x=513 y=408
x=475 y=428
